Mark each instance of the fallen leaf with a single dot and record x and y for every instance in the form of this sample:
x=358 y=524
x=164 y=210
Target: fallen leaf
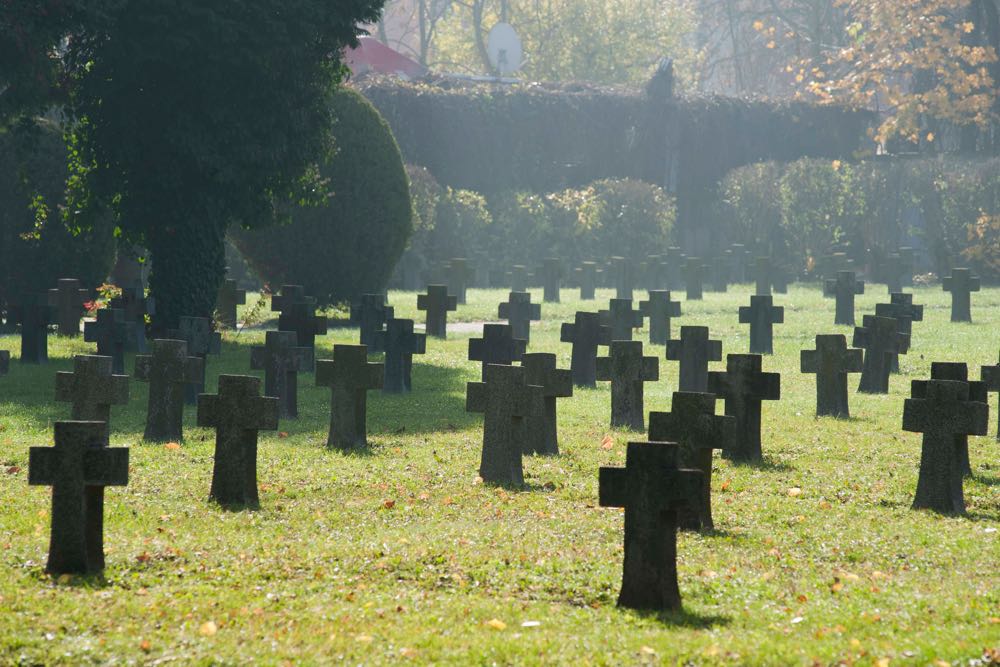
x=282 y=434
x=208 y=629
x=802 y=598
x=172 y=446
x=794 y=492
x=836 y=586
x=389 y=504
x=882 y=662
x=608 y=442
x=13 y=470
x=145 y=646
x=726 y=484
x=408 y=652
x=496 y=624
x=647 y=650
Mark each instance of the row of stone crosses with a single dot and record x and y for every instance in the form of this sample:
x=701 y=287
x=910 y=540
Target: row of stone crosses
x=518 y=402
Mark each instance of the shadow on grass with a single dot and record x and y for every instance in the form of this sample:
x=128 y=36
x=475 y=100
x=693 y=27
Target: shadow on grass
x=721 y=533
x=986 y=480
x=767 y=464
x=682 y=618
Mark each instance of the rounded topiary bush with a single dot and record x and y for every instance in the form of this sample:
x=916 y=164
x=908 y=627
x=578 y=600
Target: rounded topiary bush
x=36 y=246
x=350 y=244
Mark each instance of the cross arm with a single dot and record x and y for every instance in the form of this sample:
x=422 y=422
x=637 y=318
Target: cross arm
x=194 y=368
x=650 y=369
x=422 y=301
x=65 y=381
x=265 y=413
x=105 y=466
x=859 y=287
x=715 y=350
x=566 y=332
x=604 y=369
x=376 y=375
x=535 y=312
x=43 y=466
x=258 y=357
x=612 y=487
x=990 y=376
x=746 y=314
x=325 y=372
x=778 y=315
x=674 y=349
x=475 y=397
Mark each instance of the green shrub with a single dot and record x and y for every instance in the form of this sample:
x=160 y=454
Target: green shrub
x=624 y=217
x=351 y=244
x=36 y=247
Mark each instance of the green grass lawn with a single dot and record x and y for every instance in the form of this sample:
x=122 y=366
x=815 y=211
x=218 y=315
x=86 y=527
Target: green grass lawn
x=400 y=554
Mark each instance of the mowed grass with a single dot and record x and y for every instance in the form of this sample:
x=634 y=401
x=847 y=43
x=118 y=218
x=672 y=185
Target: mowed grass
x=399 y=554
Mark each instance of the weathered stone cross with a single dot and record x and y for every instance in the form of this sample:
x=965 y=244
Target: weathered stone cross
x=585 y=333
x=228 y=298
x=110 y=332
x=674 y=260
x=201 y=342
x=660 y=310
x=878 y=337
x=586 y=277
x=92 y=389
x=623 y=272
x=35 y=315
x=298 y=314
x=370 y=315
x=437 y=302
x=518 y=278
x=901 y=309
x=652 y=488
x=843 y=288
x=167 y=370
x=237 y=413
x=77 y=468
x=694 y=350
x=282 y=360
x=551 y=273
x=540 y=370
x=627 y=370
x=743 y=386
x=350 y=376
x=978 y=392
x=960 y=283
x=400 y=344
x=497 y=346
x=519 y=313
x=68 y=299
x=622 y=318
x=763 y=275
x=831 y=361
x=460 y=274
x=136 y=306
x=762 y=315
x=693 y=280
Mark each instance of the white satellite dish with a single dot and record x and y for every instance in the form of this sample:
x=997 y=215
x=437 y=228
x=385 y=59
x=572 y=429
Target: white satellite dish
x=504 y=49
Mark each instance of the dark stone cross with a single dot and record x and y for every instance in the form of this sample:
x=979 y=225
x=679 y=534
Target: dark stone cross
x=228 y=298
x=518 y=278
x=901 y=309
x=551 y=273
x=693 y=424
x=542 y=436
x=623 y=272
x=762 y=315
x=586 y=278
x=35 y=315
x=739 y=259
x=893 y=271
x=586 y=333
x=282 y=360
x=674 y=262
x=299 y=315
x=627 y=370
x=350 y=377
x=167 y=370
x=718 y=274
x=978 y=392
x=497 y=346
x=831 y=361
x=519 y=313
x=843 y=288
x=370 y=315
x=507 y=401
x=481 y=261
x=437 y=302
x=652 y=488
x=659 y=309
x=92 y=389
x=460 y=274
x=943 y=413
x=990 y=377
x=136 y=306
x=78 y=468
x=622 y=318
x=694 y=350
x=743 y=386
x=834 y=263
x=693 y=269
x=110 y=332
x=237 y=413
x=907 y=255
x=400 y=344
x=201 y=342
x=68 y=299
x=763 y=275
x=878 y=337
x=961 y=283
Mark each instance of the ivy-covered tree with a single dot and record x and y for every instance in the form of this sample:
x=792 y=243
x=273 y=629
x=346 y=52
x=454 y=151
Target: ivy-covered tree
x=188 y=117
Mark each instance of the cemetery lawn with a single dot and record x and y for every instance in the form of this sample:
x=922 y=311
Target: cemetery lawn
x=398 y=554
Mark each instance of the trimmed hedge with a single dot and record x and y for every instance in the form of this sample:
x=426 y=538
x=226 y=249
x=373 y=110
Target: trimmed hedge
x=351 y=244
x=36 y=247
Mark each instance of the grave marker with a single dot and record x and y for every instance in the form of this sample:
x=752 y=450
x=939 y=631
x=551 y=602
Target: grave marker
x=400 y=344
x=743 y=386
x=762 y=315
x=542 y=433
x=518 y=278
x=627 y=370
x=167 y=370
x=201 y=342
x=990 y=377
x=901 y=309
x=585 y=333
x=497 y=346
x=763 y=275
x=551 y=273
x=437 y=302
x=693 y=268
x=298 y=314
x=674 y=263
x=370 y=315
x=843 y=288
x=519 y=313
x=68 y=299
x=459 y=276
x=738 y=259
x=282 y=360
x=34 y=315
x=226 y=301
x=136 y=306
x=831 y=361
x=718 y=274
x=694 y=350
x=961 y=283
x=622 y=319
x=350 y=377
x=110 y=332
x=978 y=392
x=623 y=272
x=586 y=277
x=92 y=388
x=908 y=257
x=659 y=309
x=878 y=337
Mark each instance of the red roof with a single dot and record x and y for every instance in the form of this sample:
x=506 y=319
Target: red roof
x=374 y=56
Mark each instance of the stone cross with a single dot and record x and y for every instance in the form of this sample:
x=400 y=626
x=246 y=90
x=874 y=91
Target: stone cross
x=693 y=424
x=762 y=315
x=718 y=274
x=78 y=468
x=623 y=272
x=518 y=278
x=4 y=362
x=743 y=386
x=694 y=350
x=481 y=261
x=437 y=302
x=674 y=261
x=35 y=315
x=978 y=392
x=542 y=436
x=990 y=377
x=350 y=377
x=843 y=288
x=68 y=299
x=136 y=306
x=228 y=298
x=551 y=273
x=497 y=346
x=693 y=280
x=660 y=310
x=298 y=314
x=832 y=264
x=435 y=273
x=878 y=337
x=654 y=272
x=167 y=370
x=831 y=361
x=586 y=277
x=110 y=332
x=519 y=313
x=92 y=389
x=893 y=272
x=400 y=344
x=370 y=315
x=652 y=488
x=627 y=370
x=901 y=309
x=586 y=333
x=237 y=413
x=460 y=274
x=507 y=401
x=907 y=255
x=943 y=413
x=282 y=360
x=201 y=342
x=738 y=257
x=622 y=318
x=960 y=283
x=763 y=275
